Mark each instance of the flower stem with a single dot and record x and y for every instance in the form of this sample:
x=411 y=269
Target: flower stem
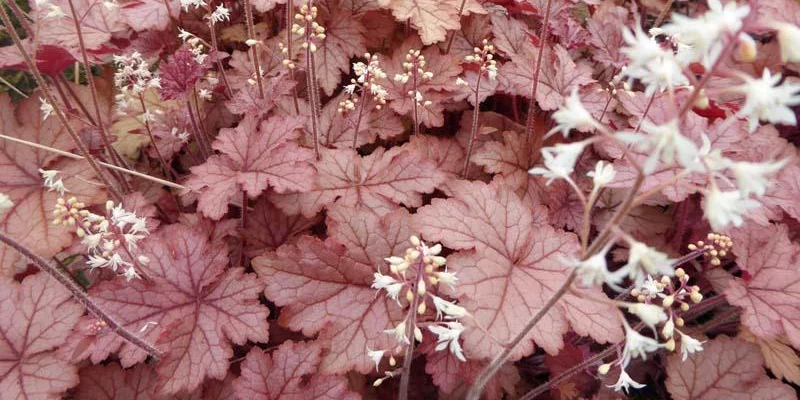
x=81 y=296
x=205 y=149
x=248 y=13
x=58 y=111
x=105 y=165
x=313 y=93
x=474 y=128
x=453 y=34
x=529 y=122
x=167 y=168
x=220 y=67
x=487 y=373
x=414 y=99
x=289 y=15
x=360 y=112
x=405 y=378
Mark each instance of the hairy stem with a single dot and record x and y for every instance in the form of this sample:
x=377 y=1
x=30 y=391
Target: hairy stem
x=205 y=149
x=248 y=13
x=31 y=64
x=414 y=99
x=167 y=168
x=313 y=93
x=105 y=165
x=81 y=296
x=220 y=67
x=289 y=40
x=474 y=129
x=20 y=15
x=453 y=34
x=411 y=321
x=529 y=122
x=487 y=373
x=112 y=152
x=361 y=107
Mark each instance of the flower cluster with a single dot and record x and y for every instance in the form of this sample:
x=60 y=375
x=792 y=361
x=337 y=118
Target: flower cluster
x=306 y=25
x=414 y=67
x=111 y=239
x=715 y=248
x=365 y=82
x=196 y=45
x=484 y=58
x=132 y=78
x=411 y=276
x=675 y=294
x=52 y=182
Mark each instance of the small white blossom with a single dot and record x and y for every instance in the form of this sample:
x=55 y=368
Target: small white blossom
x=376 y=356
x=751 y=177
x=637 y=346
x=130 y=273
x=726 y=208
x=448 y=278
x=448 y=336
x=768 y=101
x=46 y=108
x=388 y=283
x=399 y=333
x=602 y=175
x=663 y=142
x=449 y=309
x=220 y=14
x=650 y=314
x=788 y=38
x=51 y=183
x=5 y=202
x=650 y=288
x=559 y=160
x=669 y=329
x=689 y=345
x=644 y=260
x=572 y=115
x=625 y=382
x=185 y=4
x=461 y=82
x=656 y=67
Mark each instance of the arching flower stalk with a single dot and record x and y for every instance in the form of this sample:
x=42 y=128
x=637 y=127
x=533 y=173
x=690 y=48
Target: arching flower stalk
x=306 y=25
x=365 y=82
x=415 y=71
x=484 y=58
x=419 y=272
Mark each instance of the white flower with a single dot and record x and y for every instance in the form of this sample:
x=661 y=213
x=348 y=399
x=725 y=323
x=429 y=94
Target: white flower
x=116 y=261
x=461 y=82
x=751 y=177
x=388 y=283
x=220 y=14
x=451 y=310
x=657 y=67
x=376 y=356
x=704 y=34
x=51 y=183
x=650 y=288
x=350 y=89
x=185 y=4
x=559 y=160
x=766 y=101
x=637 y=346
x=572 y=115
x=130 y=273
x=662 y=74
x=664 y=142
x=448 y=337
x=625 y=382
x=726 y=208
x=46 y=108
x=602 y=175
x=640 y=48
x=448 y=278
x=650 y=314
x=788 y=38
x=645 y=260
x=669 y=329
x=399 y=333
x=689 y=345
x=594 y=270
x=96 y=261
x=491 y=72
x=5 y=203
x=92 y=241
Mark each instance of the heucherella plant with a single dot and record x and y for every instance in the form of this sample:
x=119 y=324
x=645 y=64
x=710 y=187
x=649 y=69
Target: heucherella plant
x=214 y=199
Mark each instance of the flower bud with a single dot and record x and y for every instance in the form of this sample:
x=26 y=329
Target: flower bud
x=417 y=334
x=747 y=48
x=414 y=240
x=788 y=37
x=696 y=297
x=603 y=369
x=670 y=345
x=421 y=308
x=668 y=301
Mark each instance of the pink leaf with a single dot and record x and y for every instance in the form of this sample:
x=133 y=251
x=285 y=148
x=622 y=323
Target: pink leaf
x=432 y=18
x=324 y=286
x=98 y=24
x=725 y=369
x=770 y=296
x=605 y=28
x=269 y=228
x=29 y=221
x=380 y=181
x=35 y=318
x=254 y=156
x=512 y=267
x=344 y=39
x=143 y=15
x=199 y=309
x=283 y=374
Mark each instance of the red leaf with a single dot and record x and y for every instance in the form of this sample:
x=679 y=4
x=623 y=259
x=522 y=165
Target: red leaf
x=770 y=297
x=270 y=228
x=142 y=15
x=254 y=156
x=324 y=286
x=35 y=317
x=510 y=265
x=558 y=76
x=725 y=369
x=283 y=375
x=199 y=308
x=29 y=221
x=180 y=74
x=380 y=181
